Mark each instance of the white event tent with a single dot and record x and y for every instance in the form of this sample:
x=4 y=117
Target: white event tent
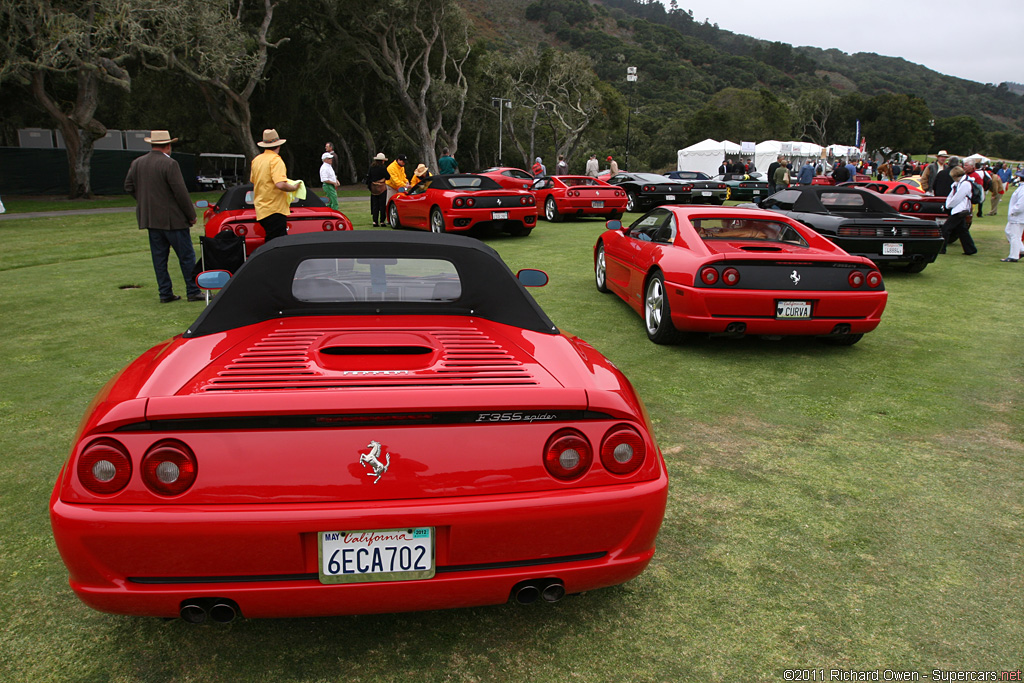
x=768 y=151
x=706 y=156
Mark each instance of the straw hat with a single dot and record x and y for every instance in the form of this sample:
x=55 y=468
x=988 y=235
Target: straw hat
x=380 y=157
x=942 y=153
x=160 y=137
x=271 y=139
x=420 y=170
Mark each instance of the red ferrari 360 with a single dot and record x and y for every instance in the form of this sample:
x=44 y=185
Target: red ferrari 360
x=461 y=202
x=737 y=272
x=906 y=199
x=508 y=177
x=234 y=212
x=360 y=422
x=570 y=196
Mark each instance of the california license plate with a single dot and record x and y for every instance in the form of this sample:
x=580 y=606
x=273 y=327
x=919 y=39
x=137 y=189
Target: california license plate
x=892 y=249
x=379 y=555
x=705 y=194
x=792 y=310
x=670 y=197
x=499 y=215
x=597 y=205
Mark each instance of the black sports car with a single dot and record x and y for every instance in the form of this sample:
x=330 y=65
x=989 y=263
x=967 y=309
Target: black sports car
x=861 y=223
x=706 y=190
x=644 y=191
x=745 y=186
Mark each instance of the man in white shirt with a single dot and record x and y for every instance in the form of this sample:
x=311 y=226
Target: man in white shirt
x=958 y=203
x=330 y=180
x=592 y=166
x=1015 y=226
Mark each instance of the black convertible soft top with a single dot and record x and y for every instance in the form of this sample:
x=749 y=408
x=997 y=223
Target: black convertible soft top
x=810 y=200
x=262 y=289
x=234 y=199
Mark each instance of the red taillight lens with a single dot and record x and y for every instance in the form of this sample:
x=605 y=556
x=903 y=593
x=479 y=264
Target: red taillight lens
x=709 y=276
x=874 y=279
x=241 y=230
x=917 y=207
x=905 y=206
x=169 y=468
x=524 y=201
x=104 y=467
x=622 y=450
x=226 y=228
x=327 y=226
x=856 y=278
x=470 y=202
x=567 y=455
x=731 y=276
x=459 y=202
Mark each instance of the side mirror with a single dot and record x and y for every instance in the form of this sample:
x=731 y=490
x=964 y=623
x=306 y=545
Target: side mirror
x=530 y=277
x=213 y=279
x=202 y=204
x=613 y=225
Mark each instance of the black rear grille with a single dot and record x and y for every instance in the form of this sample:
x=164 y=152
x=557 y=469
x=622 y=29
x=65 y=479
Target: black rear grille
x=497 y=203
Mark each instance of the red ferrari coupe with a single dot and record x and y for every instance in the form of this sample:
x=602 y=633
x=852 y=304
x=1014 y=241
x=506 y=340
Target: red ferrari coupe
x=511 y=178
x=571 y=196
x=906 y=199
x=460 y=202
x=235 y=213
x=737 y=272
x=360 y=422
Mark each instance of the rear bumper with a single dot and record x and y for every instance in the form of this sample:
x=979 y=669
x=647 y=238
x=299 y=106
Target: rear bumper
x=584 y=207
x=466 y=219
x=915 y=249
x=146 y=560
x=714 y=310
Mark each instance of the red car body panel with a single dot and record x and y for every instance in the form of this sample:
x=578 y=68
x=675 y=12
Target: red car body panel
x=277 y=420
x=513 y=210
x=906 y=199
x=696 y=307
x=574 y=196
x=509 y=177
x=234 y=214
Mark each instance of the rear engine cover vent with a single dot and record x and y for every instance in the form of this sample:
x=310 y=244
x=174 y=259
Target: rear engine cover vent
x=335 y=359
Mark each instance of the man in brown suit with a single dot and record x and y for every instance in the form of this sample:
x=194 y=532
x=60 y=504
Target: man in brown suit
x=166 y=211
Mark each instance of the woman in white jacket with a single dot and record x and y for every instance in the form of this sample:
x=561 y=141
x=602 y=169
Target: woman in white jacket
x=1015 y=225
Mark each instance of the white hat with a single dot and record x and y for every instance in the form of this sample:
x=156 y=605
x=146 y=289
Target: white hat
x=326 y=155
x=380 y=157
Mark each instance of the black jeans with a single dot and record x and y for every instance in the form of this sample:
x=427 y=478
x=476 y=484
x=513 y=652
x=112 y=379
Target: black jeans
x=378 y=202
x=275 y=225
x=956 y=228
x=160 y=244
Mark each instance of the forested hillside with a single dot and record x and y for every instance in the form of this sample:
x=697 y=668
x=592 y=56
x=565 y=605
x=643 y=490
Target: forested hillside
x=413 y=77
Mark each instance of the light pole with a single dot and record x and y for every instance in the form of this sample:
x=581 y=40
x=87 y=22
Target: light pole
x=631 y=77
x=501 y=103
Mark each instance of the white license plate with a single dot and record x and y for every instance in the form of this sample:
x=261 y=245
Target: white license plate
x=757 y=192
x=499 y=215
x=670 y=197
x=792 y=310
x=705 y=194
x=597 y=205
x=892 y=249
x=378 y=555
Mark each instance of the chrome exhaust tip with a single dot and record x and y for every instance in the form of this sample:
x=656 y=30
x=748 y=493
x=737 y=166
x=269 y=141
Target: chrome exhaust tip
x=192 y=613
x=223 y=613
x=527 y=594
x=553 y=592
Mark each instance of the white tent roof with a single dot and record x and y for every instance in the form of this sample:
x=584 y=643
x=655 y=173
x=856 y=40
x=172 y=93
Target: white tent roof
x=768 y=151
x=705 y=156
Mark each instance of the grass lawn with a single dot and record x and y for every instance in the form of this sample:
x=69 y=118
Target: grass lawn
x=854 y=508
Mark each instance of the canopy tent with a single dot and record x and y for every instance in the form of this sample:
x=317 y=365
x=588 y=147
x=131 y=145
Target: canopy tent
x=978 y=159
x=768 y=151
x=843 y=151
x=706 y=156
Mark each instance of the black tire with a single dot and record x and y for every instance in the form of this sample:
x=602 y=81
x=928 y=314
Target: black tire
x=915 y=267
x=600 y=270
x=393 y=220
x=551 y=210
x=841 y=339
x=436 y=220
x=657 y=316
x=631 y=202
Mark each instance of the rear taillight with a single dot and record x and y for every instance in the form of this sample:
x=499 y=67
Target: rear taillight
x=649 y=188
x=525 y=201
x=856 y=278
x=241 y=230
x=904 y=207
x=874 y=279
x=567 y=454
x=917 y=207
x=470 y=202
x=169 y=468
x=709 y=276
x=104 y=467
x=622 y=450
x=327 y=226
x=731 y=276
x=459 y=202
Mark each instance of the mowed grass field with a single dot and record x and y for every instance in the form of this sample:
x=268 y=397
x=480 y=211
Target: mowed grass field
x=852 y=508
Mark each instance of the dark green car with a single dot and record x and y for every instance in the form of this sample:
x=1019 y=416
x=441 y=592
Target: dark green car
x=745 y=187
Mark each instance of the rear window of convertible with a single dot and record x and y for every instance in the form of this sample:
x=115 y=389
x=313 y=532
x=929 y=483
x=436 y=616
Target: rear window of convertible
x=376 y=279
x=746 y=229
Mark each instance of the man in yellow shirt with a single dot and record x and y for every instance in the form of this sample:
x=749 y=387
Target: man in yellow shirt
x=270 y=186
x=397 y=179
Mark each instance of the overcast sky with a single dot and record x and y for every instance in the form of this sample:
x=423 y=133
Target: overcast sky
x=979 y=41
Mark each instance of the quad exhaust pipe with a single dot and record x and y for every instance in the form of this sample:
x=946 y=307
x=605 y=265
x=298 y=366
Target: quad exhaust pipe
x=218 y=610
x=548 y=590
